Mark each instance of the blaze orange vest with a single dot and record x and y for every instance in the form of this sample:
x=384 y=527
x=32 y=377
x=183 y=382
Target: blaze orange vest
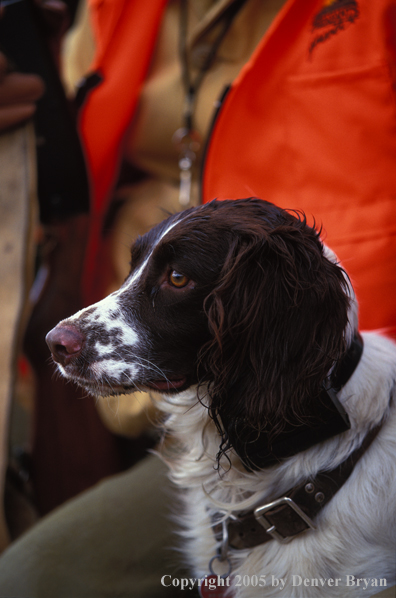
x=310 y=123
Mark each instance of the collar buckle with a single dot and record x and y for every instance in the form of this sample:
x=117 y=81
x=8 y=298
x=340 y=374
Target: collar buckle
x=270 y=528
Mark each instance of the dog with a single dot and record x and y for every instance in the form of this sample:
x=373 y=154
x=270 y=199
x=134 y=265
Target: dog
x=279 y=419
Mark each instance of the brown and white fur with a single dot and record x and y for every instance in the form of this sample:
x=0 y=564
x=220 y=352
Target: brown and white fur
x=237 y=306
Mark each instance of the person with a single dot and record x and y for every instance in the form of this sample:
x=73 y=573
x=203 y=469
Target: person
x=307 y=121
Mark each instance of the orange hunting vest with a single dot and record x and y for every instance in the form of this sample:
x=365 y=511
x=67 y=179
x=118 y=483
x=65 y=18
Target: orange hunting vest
x=310 y=124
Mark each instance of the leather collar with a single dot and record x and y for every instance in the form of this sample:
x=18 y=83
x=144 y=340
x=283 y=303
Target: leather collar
x=291 y=514
x=348 y=364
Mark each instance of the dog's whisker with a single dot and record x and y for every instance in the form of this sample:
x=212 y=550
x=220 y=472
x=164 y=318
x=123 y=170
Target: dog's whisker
x=151 y=366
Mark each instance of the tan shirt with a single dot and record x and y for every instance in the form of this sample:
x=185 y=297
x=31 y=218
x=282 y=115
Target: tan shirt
x=149 y=143
x=149 y=140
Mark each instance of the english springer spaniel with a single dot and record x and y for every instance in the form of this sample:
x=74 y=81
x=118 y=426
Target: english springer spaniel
x=282 y=418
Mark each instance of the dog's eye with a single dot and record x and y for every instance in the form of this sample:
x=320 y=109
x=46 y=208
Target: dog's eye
x=178 y=280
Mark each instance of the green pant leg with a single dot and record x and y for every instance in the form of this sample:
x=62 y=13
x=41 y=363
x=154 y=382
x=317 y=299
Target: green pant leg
x=116 y=540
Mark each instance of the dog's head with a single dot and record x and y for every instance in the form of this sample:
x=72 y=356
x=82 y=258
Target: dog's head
x=238 y=296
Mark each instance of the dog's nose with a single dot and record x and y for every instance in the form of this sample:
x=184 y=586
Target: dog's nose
x=65 y=343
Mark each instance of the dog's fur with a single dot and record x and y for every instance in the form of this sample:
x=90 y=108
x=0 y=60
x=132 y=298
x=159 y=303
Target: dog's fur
x=261 y=317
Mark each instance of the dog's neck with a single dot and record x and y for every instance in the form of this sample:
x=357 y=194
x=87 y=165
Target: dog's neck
x=192 y=455
x=291 y=514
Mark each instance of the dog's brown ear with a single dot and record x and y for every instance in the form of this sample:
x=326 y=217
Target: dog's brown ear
x=278 y=317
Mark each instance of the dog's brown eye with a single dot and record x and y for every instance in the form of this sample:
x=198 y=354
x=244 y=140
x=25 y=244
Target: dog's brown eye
x=178 y=280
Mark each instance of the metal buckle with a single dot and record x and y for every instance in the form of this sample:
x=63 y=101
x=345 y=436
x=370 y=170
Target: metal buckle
x=271 y=529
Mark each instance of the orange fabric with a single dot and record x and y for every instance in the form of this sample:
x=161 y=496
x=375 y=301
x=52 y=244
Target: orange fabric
x=310 y=123
x=317 y=131
x=123 y=57
x=125 y=32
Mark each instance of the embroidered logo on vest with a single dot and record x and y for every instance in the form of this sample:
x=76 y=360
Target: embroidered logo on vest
x=334 y=16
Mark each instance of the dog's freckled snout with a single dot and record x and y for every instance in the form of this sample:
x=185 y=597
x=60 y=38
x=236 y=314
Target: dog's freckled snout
x=65 y=343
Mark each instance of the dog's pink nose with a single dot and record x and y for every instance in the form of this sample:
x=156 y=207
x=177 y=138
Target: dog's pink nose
x=65 y=343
